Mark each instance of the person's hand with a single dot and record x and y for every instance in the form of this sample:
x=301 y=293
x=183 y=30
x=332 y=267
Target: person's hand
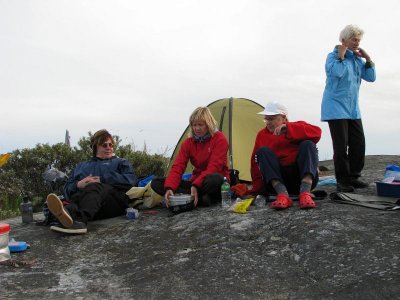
x=362 y=53
x=87 y=180
x=342 y=50
x=195 y=195
x=281 y=129
x=167 y=194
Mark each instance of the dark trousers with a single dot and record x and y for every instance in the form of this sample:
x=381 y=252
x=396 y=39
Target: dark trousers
x=290 y=176
x=211 y=186
x=348 y=142
x=97 y=201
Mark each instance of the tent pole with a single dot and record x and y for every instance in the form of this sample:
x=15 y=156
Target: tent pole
x=221 y=119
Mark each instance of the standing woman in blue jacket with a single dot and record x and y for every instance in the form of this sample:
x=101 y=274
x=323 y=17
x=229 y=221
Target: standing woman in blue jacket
x=95 y=189
x=345 y=67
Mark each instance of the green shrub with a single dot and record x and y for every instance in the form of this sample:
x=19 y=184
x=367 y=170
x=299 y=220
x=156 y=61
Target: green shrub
x=23 y=174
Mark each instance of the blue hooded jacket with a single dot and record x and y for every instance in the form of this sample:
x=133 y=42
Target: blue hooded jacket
x=343 y=79
x=115 y=171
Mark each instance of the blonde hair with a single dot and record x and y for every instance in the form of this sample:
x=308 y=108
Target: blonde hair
x=350 y=31
x=203 y=114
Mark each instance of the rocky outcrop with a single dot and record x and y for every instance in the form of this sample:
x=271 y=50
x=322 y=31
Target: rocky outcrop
x=334 y=251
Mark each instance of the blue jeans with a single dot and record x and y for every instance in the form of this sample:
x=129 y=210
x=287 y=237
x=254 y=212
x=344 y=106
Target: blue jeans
x=290 y=176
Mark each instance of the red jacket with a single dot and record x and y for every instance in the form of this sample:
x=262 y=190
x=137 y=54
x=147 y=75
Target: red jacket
x=285 y=146
x=207 y=157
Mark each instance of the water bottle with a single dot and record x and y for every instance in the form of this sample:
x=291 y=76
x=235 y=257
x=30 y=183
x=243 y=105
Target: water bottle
x=226 y=194
x=4 y=250
x=26 y=210
x=260 y=201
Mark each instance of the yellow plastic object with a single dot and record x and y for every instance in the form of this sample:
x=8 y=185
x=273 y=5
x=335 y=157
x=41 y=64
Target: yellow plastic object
x=241 y=207
x=4 y=158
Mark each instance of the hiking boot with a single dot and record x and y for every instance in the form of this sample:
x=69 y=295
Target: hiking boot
x=57 y=209
x=76 y=228
x=306 y=201
x=358 y=183
x=282 y=201
x=344 y=187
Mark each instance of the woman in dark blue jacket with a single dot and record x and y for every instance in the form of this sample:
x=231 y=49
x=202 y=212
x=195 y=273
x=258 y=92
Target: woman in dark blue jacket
x=96 y=188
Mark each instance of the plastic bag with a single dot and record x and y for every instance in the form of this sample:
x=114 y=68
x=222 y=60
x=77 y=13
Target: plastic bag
x=241 y=206
x=392 y=171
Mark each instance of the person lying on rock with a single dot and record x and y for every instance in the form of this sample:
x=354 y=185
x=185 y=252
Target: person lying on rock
x=95 y=189
x=206 y=148
x=285 y=158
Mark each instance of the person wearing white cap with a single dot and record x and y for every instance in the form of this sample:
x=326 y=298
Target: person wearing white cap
x=345 y=67
x=285 y=158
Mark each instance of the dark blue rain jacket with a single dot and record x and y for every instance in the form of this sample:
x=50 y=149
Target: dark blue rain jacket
x=116 y=171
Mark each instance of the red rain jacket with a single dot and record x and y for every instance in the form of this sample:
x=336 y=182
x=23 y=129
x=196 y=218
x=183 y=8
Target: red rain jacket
x=285 y=146
x=207 y=157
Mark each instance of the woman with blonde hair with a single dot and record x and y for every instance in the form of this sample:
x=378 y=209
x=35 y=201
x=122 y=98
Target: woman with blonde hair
x=206 y=149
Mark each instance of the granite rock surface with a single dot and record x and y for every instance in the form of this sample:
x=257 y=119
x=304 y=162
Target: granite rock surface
x=335 y=251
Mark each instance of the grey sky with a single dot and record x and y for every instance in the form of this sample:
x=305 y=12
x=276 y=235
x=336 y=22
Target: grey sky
x=139 y=68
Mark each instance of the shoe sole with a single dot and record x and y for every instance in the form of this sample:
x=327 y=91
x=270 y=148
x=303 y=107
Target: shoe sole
x=307 y=205
x=69 y=230
x=280 y=205
x=57 y=209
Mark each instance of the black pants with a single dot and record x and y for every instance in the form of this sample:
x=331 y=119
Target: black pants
x=211 y=186
x=290 y=176
x=97 y=201
x=348 y=142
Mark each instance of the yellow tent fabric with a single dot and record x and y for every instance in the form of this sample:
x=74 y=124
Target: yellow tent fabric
x=237 y=118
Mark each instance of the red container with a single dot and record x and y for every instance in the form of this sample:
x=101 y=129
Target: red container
x=4 y=251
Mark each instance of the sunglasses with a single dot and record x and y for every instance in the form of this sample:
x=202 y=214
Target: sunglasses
x=270 y=118
x=105 y=145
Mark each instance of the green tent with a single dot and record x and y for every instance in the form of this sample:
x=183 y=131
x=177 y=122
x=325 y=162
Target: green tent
x=237 y=118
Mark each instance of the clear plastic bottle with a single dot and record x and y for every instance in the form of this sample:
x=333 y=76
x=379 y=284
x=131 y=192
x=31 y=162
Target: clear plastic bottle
x=26 y=210
x=226 y=194
x=260 y=201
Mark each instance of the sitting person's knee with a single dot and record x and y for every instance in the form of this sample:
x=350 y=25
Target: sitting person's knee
x=264 y=151
x=308 y=144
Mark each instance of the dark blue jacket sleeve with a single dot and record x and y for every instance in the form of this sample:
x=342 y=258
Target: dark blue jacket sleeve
x=123 y=177
x=70 y=187
x=117 y=172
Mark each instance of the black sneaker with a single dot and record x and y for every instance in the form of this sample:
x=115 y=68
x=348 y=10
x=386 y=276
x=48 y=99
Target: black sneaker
x=76 y=228
x=358 y=183
x=344 y=187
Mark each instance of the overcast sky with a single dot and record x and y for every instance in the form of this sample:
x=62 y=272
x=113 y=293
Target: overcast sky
x=139 y=68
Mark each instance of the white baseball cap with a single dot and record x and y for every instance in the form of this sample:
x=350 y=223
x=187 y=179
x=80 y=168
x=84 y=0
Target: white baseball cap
x=274 y=108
